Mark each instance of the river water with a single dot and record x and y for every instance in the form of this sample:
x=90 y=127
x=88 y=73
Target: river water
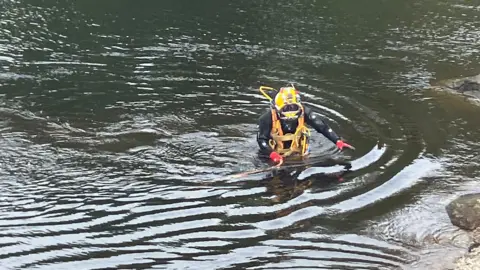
x=122 y=122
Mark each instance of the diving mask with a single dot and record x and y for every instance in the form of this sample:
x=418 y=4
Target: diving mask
x=290 y=111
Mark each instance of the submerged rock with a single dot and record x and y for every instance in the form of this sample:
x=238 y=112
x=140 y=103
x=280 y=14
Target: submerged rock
x=464 y=212
x=468 y=87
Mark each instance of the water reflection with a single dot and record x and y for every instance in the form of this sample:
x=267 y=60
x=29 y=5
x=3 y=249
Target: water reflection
x=284 y=185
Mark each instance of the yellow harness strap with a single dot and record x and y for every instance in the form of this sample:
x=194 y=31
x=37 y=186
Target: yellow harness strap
x=299 y=138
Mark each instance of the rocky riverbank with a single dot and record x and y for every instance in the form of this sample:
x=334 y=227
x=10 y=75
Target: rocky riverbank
x=464 y=212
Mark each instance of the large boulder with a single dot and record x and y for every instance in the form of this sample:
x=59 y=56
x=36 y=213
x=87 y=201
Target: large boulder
x=464 y=212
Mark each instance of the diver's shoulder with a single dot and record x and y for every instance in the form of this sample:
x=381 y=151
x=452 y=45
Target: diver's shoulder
x=308 y=109
x=310 y=113
x=265 y=115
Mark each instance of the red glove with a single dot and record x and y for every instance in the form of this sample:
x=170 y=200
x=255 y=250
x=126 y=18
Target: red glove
x=341 y=145
x=276 y=157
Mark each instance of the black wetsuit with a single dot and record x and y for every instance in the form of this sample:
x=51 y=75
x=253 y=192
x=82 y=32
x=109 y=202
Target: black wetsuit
x=311 y=118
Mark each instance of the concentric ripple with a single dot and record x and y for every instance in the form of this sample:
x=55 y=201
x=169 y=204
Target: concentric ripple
x=128 y=134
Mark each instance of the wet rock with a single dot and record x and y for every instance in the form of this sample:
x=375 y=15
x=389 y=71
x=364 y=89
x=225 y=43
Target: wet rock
x=464 y=212
x=468 y=87
x=436 y=257
x=473 y=247
x=470 y=261
x=467 y=84
x=476 y=236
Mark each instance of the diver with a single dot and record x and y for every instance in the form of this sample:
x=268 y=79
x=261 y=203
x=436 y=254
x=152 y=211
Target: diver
x=282 y=129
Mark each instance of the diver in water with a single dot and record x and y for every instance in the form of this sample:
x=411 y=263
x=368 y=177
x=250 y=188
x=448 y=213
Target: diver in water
x=282 y=130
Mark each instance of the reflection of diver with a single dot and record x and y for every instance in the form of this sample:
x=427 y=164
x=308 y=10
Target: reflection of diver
x=285 y=185
x=282 y=130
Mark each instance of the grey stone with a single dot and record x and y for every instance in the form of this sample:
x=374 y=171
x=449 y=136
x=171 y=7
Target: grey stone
x=468 y=87
x=464 y=212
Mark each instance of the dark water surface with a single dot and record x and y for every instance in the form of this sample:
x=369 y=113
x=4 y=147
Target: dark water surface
x=120 y=121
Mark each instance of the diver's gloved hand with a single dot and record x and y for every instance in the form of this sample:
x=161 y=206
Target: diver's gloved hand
x=341 y=144
x=276 y=157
